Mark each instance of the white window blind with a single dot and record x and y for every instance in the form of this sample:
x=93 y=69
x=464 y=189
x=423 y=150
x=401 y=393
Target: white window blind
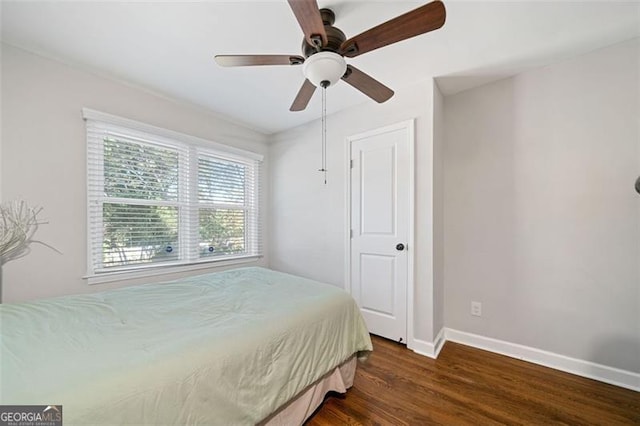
x=155 y=200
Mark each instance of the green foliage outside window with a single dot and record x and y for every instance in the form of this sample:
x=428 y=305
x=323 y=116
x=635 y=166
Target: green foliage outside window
x=141 y=231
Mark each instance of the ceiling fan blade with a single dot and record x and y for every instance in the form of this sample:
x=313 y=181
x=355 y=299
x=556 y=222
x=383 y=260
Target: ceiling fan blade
x=367 y=84
x=303 y=97
x=308 y=16
x=250 y=60
x=426 y=18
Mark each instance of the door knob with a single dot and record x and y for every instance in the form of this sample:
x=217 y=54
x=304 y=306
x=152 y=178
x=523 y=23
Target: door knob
x=399 y=246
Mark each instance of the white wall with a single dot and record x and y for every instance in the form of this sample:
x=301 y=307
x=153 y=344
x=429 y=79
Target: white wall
x=43 y=159
x=542 y=224
x=438 y=209
x=308 y=219
x=532 y=211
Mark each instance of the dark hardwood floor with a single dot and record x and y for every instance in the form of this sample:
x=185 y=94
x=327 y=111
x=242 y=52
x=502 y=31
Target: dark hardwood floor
x=470 y=386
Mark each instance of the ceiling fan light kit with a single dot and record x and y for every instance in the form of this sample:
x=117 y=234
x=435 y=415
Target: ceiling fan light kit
x=324 y=68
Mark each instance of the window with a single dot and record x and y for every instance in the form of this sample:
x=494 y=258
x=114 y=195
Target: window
x=160 y=198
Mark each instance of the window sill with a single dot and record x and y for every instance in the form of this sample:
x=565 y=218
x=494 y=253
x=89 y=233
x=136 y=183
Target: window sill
x=151 y=271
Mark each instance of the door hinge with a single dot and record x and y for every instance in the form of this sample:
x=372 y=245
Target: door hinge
x=350 y=233
x=351 y=164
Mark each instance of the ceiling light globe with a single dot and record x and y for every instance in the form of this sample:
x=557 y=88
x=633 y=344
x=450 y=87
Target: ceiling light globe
x=324 y=66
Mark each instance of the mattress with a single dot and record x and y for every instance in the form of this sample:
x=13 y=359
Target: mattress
x=224 y=348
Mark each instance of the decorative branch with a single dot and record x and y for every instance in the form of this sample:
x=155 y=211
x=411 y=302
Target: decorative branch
x=18 y=224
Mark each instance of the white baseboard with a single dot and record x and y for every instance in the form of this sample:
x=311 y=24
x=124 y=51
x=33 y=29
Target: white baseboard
x=439 y=341
x=422 y=347
x=603 y=373
x=429 y=349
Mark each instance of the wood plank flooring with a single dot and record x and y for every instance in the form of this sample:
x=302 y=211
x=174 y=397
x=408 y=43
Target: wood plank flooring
x=470 y=386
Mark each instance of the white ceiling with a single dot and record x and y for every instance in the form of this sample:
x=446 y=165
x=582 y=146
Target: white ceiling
x=168 y=47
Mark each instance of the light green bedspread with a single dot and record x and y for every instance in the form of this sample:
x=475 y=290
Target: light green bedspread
x=223 y=348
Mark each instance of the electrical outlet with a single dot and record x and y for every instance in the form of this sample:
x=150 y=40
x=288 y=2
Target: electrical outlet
x=476 y=309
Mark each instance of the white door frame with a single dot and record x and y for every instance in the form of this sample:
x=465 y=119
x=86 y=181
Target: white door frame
x=409 y=126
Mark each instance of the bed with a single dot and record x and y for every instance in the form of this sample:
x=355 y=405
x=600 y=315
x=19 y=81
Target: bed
x=245 y=346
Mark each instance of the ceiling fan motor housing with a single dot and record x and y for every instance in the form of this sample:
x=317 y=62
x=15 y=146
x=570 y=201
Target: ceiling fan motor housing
x=335 y=37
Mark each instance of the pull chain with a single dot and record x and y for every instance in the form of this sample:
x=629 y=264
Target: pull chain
x=323 y=168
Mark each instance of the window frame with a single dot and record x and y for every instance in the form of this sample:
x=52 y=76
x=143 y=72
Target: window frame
x=188 y=228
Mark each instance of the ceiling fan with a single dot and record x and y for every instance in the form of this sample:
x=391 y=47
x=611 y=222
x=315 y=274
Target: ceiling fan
x=325 y=46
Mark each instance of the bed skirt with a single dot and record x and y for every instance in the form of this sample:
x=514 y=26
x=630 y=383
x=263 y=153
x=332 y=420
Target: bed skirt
x=306 y=403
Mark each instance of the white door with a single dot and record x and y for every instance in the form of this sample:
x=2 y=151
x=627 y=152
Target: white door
x=381 y=185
